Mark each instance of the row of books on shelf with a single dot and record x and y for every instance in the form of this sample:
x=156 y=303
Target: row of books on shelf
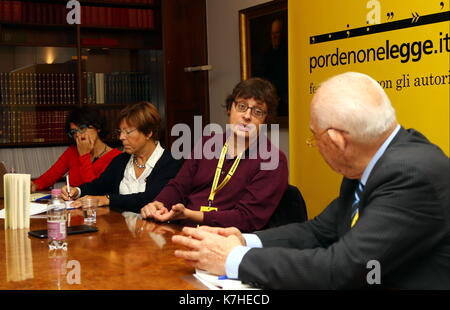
x=44 y=126
x=117 y=17
x=55 y=14
x=117 y=87
x=33 y=126
x=32 y=12
x=37 y=88
x=149 y=2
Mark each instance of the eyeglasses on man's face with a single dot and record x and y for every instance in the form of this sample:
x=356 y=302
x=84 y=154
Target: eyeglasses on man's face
x=312 y=139
x=80 y=130
x=242 y=107
x=126 y=132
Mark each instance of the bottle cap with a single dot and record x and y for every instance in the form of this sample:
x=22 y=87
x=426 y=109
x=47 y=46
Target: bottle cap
x=56 y=191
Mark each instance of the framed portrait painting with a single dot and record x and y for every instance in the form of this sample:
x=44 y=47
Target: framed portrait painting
x=264 y=49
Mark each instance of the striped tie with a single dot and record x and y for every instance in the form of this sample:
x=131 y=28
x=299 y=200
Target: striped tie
x=355 y=205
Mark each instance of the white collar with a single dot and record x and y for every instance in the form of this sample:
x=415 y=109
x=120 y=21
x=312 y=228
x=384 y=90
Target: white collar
x=377 y=156
x=156 y=155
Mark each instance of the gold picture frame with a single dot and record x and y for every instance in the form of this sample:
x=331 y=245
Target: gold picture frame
x=263 y=49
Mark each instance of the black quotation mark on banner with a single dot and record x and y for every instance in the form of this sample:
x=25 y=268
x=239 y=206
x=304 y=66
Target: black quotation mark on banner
x=442 y=4
x=415 y=20
x=390 y=15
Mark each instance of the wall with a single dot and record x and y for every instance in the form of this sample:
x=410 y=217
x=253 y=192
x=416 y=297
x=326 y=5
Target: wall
x=223 y=54
x=34 y=161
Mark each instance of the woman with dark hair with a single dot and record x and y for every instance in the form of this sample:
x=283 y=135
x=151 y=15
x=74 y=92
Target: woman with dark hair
x=234 y=189
x=87 y=158
x=135 y=177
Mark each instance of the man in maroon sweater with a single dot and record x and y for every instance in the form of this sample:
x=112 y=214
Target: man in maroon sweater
x=238 y=188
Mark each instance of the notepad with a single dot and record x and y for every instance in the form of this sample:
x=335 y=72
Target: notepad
x=213 y=282
x=39 y=196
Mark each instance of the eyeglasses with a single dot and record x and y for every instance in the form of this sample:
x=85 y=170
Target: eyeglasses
x=242 y=107
x=81 y=130
x=126 y=132
x=312 y=140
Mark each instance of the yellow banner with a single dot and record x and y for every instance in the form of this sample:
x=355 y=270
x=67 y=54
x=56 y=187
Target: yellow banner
x=404 y=45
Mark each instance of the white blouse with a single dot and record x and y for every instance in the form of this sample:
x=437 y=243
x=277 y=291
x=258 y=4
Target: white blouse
x=132 y=185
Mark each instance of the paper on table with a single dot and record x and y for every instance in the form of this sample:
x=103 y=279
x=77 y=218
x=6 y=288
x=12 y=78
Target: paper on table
x=68 y=204
x=213 y=282
x=35 y=208
x=36 y=196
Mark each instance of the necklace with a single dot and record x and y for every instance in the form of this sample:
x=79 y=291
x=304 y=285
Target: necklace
x=101 y=154
x=135 y=162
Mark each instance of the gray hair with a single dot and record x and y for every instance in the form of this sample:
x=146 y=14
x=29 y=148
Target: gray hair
x=353 y=102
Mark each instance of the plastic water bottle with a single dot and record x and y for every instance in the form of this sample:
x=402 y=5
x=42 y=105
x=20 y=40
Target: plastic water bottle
x=56 y=221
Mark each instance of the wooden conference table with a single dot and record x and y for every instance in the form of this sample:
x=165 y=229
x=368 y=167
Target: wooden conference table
x=126 y=253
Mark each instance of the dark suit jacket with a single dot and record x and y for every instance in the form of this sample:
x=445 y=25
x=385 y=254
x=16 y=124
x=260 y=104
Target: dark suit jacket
x=404 y=224
x=109 y=181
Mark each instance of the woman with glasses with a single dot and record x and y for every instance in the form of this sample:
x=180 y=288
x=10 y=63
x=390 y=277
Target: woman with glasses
x=135 y=177
x=231 y=189
x=89 y=155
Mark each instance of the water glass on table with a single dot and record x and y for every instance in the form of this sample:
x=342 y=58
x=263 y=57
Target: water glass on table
x=89 y=206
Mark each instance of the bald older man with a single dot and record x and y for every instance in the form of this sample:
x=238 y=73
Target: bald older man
x=389 y=227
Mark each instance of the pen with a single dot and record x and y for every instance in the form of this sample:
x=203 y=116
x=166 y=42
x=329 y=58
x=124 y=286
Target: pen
x=68 y=186
x=222 y=277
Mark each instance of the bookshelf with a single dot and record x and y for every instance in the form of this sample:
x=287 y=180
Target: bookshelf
x=123 y=51
x=48 y=67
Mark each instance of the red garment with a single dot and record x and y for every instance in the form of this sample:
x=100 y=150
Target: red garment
x=80 y=168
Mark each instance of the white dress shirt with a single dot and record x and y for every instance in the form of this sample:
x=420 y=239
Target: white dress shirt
x=132 y=185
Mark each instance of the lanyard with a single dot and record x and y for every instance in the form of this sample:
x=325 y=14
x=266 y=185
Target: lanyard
x=215 y=188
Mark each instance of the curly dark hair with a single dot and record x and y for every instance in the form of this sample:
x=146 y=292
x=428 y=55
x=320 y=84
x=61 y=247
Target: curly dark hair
x=258 y=89
x=86 y=116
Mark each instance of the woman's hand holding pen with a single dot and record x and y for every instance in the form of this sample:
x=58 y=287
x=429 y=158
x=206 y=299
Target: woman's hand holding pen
x=66 y=195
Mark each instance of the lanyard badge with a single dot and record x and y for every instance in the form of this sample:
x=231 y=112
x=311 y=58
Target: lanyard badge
x=217 y=187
